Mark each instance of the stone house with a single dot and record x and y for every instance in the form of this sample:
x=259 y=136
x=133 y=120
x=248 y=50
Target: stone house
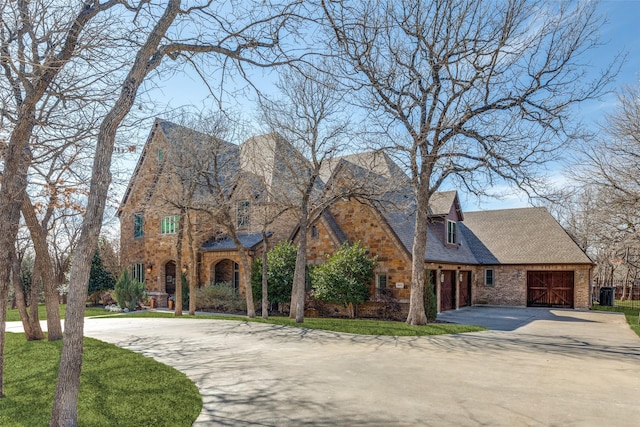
x=517 y=257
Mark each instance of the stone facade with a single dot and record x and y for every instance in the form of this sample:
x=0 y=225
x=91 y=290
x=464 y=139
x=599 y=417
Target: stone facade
x=458 y=278
x=363 y=223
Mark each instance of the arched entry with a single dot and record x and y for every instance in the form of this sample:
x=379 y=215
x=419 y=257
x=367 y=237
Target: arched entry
x=226 y=271
x=170 y=277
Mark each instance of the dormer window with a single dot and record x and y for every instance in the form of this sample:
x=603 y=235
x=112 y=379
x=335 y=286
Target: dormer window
x=452 y=232
x=242 y=214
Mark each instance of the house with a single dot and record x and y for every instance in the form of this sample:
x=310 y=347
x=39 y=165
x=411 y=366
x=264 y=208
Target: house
x=516 y=257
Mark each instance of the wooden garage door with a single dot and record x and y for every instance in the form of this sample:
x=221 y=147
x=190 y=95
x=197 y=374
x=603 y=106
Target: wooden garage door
x=550 y=289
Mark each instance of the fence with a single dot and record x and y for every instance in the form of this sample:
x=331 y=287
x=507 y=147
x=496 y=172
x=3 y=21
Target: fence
x=624 y=294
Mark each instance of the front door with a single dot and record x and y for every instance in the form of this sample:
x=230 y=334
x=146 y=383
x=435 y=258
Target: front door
x=447 y=290
x=464 y=289
x=170 y=278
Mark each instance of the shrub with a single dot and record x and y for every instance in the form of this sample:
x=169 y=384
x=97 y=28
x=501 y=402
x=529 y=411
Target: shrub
x=220 y=297
x=390 y=306
x=128 y=291
x=345 y=277
x=281 y=264
x=429 y=295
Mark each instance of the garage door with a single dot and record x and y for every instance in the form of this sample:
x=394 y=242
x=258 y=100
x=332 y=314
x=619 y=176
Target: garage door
x=550 y=289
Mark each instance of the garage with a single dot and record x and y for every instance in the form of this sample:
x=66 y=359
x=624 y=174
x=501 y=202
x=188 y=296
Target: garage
x=550 y=289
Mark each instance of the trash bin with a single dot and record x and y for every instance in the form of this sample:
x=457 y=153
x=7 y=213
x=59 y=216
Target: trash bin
x=606 y=296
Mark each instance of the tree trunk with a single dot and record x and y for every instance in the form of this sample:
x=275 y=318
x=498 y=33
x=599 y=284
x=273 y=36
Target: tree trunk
x=299 y=275
x=12 y=190
x=265 y=287
x=32 y=329
x=417 y=315
x=45 y=267
x=193 y=272
x=179 y=261
x=65 y=406
x=3 y=328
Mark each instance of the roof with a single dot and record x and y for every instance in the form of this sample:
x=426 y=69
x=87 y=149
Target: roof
x=377 y=162
x=520 y=236
x=402 y=222
x=440 y=203
x=248 y=241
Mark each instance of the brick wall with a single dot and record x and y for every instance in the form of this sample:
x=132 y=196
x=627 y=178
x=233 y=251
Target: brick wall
x=510 y=284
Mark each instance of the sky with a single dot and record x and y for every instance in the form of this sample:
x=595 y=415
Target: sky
x=621 y=34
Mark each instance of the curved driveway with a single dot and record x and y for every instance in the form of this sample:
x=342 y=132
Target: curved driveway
x=545 y=367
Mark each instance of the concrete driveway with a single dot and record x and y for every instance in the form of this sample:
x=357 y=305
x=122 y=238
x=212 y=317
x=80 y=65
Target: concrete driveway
x=550 y=367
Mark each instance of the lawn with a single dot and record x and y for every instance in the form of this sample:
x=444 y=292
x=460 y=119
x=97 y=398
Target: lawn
x=351 y=326
x=631 y=314
x=118 y=387
x=14 y=316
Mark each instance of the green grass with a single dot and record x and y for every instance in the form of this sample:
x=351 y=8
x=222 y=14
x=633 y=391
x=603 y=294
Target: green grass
x=351 y=326
x=14 y=316
x=631 y=314
x=118 y=387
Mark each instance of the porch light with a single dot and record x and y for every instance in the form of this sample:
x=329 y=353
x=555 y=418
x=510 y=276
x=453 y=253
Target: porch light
x=460 y=277
x=149 y=268
x=441 y=277
x=185 y=268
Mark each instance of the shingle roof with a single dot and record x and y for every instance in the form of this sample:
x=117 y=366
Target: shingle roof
x=520 y=236
x=377 y=162
x=248 y=241
x=402 y=221
x=440 y=202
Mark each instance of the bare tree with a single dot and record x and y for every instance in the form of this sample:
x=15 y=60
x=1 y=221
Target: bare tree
x=36 y=41
x=251 y=44
x=311 y=118
x=475 y=91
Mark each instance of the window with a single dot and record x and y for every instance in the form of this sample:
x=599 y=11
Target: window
x=488 y=277
x=169 y=224
x=381 y=281
x=160 y=155
x=452 y=238
x=137 y=272
x=138 y=225
x=314 y=232
x=243 y=214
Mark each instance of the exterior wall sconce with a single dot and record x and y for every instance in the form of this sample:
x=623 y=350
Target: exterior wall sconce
x=460 y=277
x=149 y=268
x=441 y=277
x=185 y=268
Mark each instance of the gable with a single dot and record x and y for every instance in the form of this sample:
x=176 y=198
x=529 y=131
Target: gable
x=520 y=236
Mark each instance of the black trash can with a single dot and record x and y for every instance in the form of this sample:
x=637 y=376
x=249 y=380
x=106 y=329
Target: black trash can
x=606 y=296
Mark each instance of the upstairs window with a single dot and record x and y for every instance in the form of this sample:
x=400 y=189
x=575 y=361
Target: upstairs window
x=138 y=224
x=160 y=155
x=452 y=231
x=169 y=224
x=242 y=214
x=314 y=232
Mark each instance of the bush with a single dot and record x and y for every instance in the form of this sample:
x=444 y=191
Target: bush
x=281 y=264
x=220 y=297
x=390 y=306
x=128 y=291
x=429 y=295
x=345 y=277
